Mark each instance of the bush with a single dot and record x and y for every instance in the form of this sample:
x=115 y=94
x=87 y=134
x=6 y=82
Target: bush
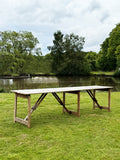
x=2 y=90
x=117 y=73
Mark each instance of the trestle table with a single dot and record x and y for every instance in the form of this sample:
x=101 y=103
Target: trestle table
x=26 y=93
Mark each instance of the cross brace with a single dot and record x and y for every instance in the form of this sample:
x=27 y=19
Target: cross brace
x=40 y=99
x=93 y=98
x=60 y=101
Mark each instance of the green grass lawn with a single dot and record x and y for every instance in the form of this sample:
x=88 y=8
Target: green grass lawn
x=95 y=135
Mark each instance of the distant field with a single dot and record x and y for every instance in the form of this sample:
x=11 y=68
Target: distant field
x=95 y=135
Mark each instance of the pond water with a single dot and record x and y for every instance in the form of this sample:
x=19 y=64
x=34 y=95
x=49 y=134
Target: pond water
x=53 y=81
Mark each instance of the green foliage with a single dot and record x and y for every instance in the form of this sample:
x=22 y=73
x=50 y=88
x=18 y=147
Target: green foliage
x=68 y=59
x=57 y=51
x=73 y=43
x=18 y=43
x=6 y=63
x=92 y=60
x=117 y=73
x=95 y=135
x=117 y=52
x=108 y=56
x=102 y=56
x=28 y=64
x=2 y=90
x=37 y=64
x=14 y=47
x=101 y=73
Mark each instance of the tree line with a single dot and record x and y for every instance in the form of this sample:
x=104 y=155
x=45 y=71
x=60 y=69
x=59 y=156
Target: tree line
x=19 y=54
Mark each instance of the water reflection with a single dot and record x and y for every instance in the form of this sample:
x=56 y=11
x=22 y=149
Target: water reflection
x=53 y=81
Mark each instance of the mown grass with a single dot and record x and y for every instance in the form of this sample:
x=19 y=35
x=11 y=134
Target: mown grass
x=57 y=136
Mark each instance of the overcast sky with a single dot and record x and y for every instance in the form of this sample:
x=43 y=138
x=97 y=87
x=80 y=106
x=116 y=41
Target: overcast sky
x=92 y=19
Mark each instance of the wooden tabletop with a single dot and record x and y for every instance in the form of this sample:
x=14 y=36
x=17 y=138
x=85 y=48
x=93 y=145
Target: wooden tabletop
x=61 y=89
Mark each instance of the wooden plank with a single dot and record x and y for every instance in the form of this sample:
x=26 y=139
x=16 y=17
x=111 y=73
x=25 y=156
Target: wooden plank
x=22 y=95
x=75 y=113
x=73 y=92
x=102 y=107
x=21 y=121
x=62 y=89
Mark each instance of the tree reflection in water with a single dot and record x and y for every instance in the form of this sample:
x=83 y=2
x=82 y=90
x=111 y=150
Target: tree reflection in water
x=63 y=81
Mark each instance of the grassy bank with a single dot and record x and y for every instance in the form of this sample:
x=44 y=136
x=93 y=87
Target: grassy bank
x=57 y=136
x=45 y=73
x=102 y=73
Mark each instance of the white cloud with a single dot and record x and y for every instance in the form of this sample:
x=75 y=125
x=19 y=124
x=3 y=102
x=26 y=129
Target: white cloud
x=92 y=19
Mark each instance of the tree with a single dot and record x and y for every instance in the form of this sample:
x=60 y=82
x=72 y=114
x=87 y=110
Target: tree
x=107 y=55
x=57 y=51
x=18 y=42
x=92 y=60
x=103 y=62
x=73 y=43
x=6 y=61
x=117 y=52
x=17 y=45
x=68 y=58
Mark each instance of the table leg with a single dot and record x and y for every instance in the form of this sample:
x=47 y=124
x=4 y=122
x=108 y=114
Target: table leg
x=92 y=95
x=64 y=102
x=78 y=105
x=93 y=100
x=29 y=112
x=20 y=120
x=15 y=110
x=109 y=94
